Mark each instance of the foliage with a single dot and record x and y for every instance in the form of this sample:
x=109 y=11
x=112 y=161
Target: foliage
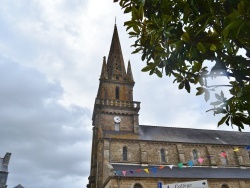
x=179 y=36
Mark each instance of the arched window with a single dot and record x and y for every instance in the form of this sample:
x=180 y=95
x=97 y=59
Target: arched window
x=195 y=155
x=224 y=185
x=117 y=93
x=137 y=185
x=163 y=158
x=125 y=153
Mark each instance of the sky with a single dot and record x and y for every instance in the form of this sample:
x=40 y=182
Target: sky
x=50 y=62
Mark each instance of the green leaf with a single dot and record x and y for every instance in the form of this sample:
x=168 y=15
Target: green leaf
x=185 y=37
x=201 y=81
x=187 y=86
x=207 y=95
x=216 y=103
x=158 y=73
x=222 y=120
x=213 y=47
x=140 y=12
x=200 y=90
x=222 y=95
x=127 y=10
x=201 y=47
x=181 y=85
x=149 y=67
x=217 y=96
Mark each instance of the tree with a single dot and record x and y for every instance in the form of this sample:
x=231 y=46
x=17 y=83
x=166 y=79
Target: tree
x=179 y=37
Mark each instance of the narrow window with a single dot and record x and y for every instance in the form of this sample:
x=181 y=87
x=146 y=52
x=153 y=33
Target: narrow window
x=249 y=155
x=137 y=185
x=163 y=158
x=195 y=156
x=117 y=126
x=224 y=185
x=125 y=153
x=117 y=93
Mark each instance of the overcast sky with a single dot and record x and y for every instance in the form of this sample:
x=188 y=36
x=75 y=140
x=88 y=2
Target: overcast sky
x=50 y=61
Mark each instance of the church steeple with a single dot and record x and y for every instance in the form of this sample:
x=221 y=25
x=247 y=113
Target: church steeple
x=115 y=65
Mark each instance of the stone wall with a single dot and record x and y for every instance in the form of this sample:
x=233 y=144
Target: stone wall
x=153 y=182
x=149 y=152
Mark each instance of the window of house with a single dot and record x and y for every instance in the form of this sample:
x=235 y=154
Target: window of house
x=249 y=155
x=117 y=93
x=137 y=185
x=195 y=155
x=125 y=153
x=224 y=185
x=163 y=157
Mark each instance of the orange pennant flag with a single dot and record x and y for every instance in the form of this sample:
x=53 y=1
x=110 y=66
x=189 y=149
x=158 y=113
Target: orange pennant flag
x=161 y=167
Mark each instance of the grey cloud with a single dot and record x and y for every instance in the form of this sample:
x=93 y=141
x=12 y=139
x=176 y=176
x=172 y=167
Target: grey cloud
x=43 y=136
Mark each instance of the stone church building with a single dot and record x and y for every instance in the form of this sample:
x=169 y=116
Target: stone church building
x=126 y=154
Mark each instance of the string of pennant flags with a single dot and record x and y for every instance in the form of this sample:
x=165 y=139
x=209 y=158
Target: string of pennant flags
x=180 y=165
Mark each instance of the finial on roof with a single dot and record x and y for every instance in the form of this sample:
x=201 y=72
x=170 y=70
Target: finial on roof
x=115 y=20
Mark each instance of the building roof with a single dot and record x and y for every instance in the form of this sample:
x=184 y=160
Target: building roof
x=19 y=186
x=183 y=135
x=190 y=135
x=186 y=172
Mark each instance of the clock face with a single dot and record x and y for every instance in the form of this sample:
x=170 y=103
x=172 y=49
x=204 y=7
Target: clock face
x=117 y=119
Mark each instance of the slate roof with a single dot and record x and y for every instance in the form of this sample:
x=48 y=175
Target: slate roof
x=183 y=135
x=190 y=135
x=186 y=172
x=19 y=186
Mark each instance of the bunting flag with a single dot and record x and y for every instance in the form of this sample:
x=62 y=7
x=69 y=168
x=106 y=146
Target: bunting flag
x=180 y=165
x=247 y=147
x=236 y=150
x=191 y=163
x=200 y=160
x=116 y=173
x=223 y=154
x=138 y=170
x=124 y=172
x=154 y=169
x=161 y=167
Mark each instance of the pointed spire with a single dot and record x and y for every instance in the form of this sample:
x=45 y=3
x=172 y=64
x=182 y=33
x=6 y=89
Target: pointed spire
x=129 y=72
x=115 y=64
x=104 y=69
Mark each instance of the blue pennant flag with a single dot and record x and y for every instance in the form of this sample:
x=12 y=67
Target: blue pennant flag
x=247 y=147
x=191 y=163
x=154 y=169
x=116 y=173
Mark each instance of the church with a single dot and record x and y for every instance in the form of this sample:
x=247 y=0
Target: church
x=126 y=154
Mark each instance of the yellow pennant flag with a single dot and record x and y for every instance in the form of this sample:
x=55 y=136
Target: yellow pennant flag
x=236 y=150
x=146 y=170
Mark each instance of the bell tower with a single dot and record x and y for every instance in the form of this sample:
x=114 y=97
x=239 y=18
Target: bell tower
x=114 y=107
